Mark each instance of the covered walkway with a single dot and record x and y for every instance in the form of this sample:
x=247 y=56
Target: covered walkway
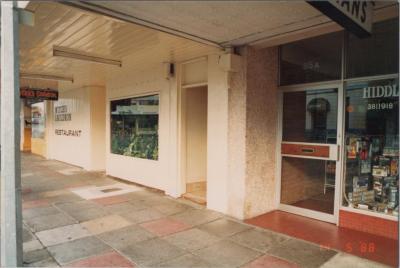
x=78 y=218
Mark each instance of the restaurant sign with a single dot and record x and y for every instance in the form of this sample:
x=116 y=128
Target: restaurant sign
x=38 y=94
x=355 y=16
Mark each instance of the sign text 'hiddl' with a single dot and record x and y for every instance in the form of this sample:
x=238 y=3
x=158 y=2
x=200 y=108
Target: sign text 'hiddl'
x=355 y=16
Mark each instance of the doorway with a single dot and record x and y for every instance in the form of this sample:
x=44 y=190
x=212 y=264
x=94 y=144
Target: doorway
x=309 y=158
x=194 y=143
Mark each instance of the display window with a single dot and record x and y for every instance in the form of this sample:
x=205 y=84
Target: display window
x=134 y=127
x=38 y=121
x=355 y=115
x=372 y=146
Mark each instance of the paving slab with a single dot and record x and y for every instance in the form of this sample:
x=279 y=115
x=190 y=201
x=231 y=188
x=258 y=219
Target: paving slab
x=32 y=245
x=105 y=224
x=197 y=216
x=346 y=260
x=121 y=208
x=62 y=234
x=47 y=222
x=192 y=239
x=151 y=252
x=224 y=227
x=302 y=253
x=49 y=262
x=258 y=239
x=77 y=206
x=267 y=261
x=27 y=235
x=171 y=208
x=227 y=254
x=124 y=237
x=111 y=200
x=77 y=249
x=143 y=215
x=35 y=204
x=39 y=211
x=35 y=256
x=165 y=226
x=108 y=259
x=188 y=260
x=88 y=214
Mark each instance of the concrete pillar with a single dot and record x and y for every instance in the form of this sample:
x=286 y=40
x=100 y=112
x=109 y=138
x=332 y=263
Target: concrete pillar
x=217 y=136
x=261 y=130
x=11 y=216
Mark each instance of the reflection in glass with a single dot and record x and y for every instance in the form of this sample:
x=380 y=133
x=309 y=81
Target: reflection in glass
x=375 y=55
x=372 y=146
x=134 y=127
x=308 y=183
x=38 y=121
x=310 y=116
x=311 y=60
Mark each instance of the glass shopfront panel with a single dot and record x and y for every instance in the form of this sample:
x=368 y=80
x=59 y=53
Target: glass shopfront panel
x=308 y=183
x=372 y=146
x=375 y=55
x=310 y=116
x=134 y=127
x=311 y=60
x=38 y=121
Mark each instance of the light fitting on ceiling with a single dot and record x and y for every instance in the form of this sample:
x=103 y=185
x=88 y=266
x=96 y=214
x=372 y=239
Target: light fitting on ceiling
x=46 y=77
x=81 y=55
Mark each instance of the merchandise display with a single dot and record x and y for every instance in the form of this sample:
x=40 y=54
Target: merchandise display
x=373 y=172
x=372 y=148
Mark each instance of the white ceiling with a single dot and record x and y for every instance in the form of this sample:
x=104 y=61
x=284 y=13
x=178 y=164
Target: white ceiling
x=61 y=25
x=145 y=32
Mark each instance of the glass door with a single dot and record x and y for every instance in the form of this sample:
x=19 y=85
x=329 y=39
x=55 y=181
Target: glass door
x=310 y=152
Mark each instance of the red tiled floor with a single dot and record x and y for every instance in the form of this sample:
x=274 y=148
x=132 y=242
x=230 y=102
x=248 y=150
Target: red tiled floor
x=110 y=259
x=376 y=248
x=111 y=200
x=35 y=203
x=165 y=226
x=268 y=261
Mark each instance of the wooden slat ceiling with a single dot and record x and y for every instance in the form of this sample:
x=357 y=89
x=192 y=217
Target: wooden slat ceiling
x=60 y=25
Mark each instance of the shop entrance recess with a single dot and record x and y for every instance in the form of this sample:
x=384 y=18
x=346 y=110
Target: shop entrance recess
x=309 y=158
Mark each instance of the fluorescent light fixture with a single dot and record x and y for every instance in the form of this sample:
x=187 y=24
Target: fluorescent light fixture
x=80 y=55
x=46 y=77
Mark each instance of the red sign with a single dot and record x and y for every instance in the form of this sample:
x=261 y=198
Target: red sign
x=39 y=94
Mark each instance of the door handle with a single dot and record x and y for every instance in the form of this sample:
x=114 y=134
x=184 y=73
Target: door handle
x=307 y=150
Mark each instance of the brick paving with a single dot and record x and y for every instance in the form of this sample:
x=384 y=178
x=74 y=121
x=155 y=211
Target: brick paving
x=145 y=228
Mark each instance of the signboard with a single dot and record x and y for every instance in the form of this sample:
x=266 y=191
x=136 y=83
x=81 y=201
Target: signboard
x=355 y=16
x=38 y=94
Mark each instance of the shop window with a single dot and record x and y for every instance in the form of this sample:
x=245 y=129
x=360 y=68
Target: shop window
x=310 y=116
x=134 y=127
x=38 y=121
x=311 y=60
x=375 y=55
x=372 y=146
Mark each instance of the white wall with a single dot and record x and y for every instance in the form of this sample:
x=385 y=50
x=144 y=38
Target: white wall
x=86 y=105
x=161 y=173
x=196 y=134
x=72 y=149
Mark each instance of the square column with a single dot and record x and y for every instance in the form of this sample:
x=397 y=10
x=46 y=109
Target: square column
x=11 y=215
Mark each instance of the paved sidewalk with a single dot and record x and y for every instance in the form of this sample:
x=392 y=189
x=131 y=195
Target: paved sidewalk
x=85 y=219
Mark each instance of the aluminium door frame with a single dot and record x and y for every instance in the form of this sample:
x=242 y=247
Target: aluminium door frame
x=340 y=142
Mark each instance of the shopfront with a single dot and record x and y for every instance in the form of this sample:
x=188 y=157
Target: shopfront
x=339 y=127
